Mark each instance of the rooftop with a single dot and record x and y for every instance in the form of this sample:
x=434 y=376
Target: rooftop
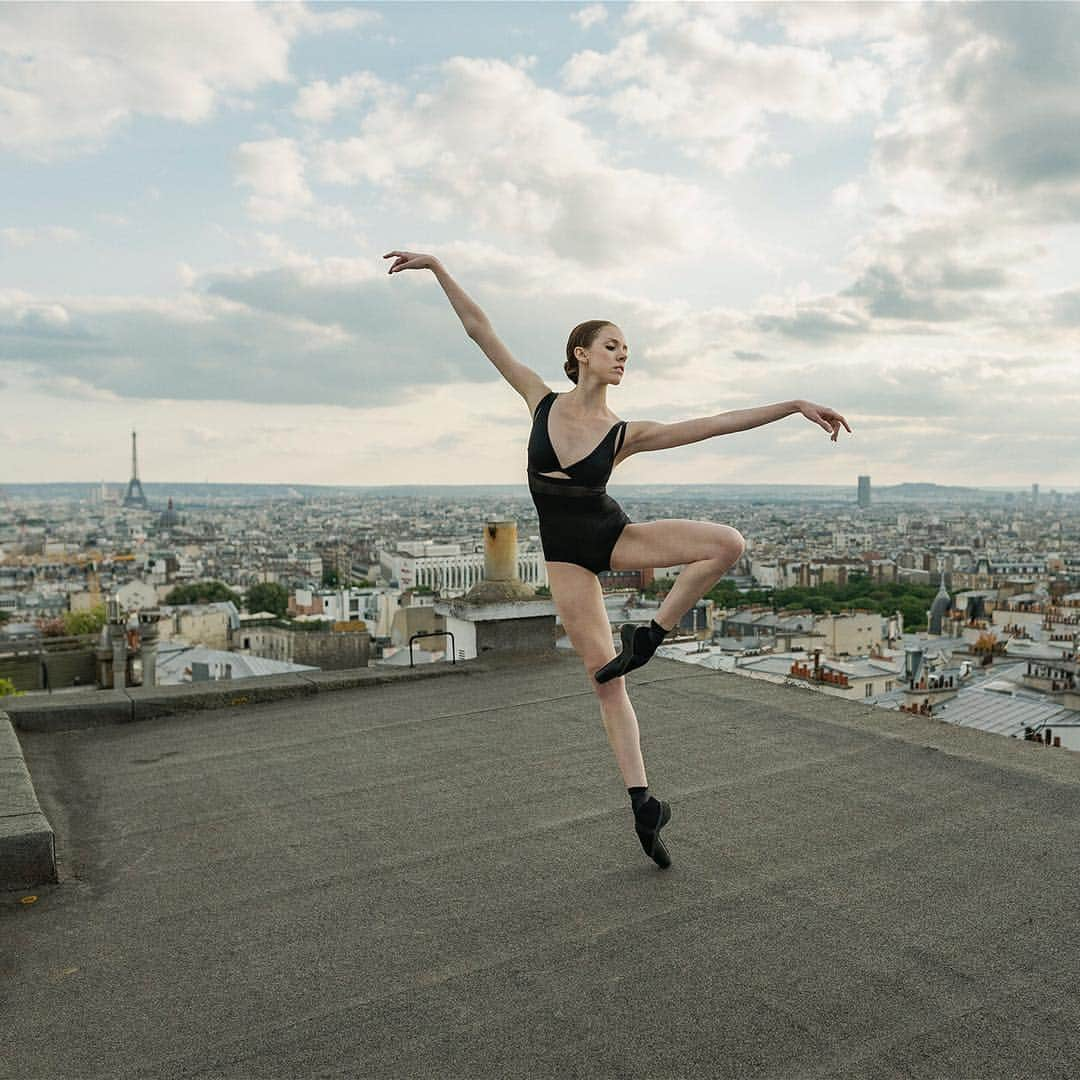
x=440 y=878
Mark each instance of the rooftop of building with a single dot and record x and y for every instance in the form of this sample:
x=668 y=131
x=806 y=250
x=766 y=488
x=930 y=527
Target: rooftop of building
x=177 y=663
x=440 y=878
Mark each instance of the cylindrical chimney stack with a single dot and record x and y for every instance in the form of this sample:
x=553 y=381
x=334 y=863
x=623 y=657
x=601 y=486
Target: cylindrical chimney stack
x=118 y=640
x=500 y=550
x=148 y=640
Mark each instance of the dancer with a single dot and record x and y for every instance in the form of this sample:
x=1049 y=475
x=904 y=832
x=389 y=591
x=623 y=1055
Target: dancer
x=584 y=531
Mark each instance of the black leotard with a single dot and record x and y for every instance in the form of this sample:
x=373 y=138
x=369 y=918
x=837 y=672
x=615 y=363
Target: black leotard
x=579 y=521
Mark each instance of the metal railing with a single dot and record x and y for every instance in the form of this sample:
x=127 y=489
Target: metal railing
x=433 y=633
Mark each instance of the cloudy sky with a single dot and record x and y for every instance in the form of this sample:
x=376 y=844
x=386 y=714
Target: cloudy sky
x=874 y=207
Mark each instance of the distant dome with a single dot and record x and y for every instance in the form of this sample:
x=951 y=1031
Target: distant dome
x=169 y=517
x=939 y=608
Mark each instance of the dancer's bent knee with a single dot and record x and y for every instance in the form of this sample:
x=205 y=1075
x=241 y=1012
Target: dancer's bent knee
x=607 y=691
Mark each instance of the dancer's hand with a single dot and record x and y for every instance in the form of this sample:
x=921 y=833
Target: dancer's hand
x=828 y=418
x=411 y=260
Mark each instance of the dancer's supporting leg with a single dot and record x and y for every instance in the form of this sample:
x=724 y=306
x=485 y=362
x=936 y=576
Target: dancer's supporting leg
x=650 y=813
x=620 y=723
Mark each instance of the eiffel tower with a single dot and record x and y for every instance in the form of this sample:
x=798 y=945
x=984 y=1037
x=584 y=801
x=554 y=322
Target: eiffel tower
x=134 y=495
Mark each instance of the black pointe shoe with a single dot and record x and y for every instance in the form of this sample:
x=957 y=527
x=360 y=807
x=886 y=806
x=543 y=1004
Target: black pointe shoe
x=627 y=660
x=650 y=838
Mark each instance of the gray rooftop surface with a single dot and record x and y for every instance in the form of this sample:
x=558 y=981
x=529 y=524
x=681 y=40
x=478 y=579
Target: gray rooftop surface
x=439 y=878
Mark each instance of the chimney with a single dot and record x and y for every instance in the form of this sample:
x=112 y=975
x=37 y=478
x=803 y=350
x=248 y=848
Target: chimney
x=501 y=581
x=500 y=613
x=118 y=639
x=148 y=641
x=912 y=661
x=500 y=551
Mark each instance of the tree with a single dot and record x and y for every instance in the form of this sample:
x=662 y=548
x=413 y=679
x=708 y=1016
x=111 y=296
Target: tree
x=202 y=592
x=84 y=622
x=267 y=596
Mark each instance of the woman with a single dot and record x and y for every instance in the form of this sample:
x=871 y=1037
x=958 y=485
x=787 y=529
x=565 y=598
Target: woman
x=583 y=530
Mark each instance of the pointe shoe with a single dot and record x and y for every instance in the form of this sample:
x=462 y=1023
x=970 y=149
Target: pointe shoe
x=650 y=838
x=627 y=660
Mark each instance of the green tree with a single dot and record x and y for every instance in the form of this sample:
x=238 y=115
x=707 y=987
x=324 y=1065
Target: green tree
x=202 y=592
x=7 y=689
x=267 y=596
x=330 y=578
x=84 y=622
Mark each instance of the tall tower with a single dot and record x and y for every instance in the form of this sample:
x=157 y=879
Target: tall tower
x=134 y=495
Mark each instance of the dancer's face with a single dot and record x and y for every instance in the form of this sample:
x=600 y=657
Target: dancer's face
x=608 y=354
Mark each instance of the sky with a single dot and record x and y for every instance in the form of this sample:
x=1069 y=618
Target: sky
x=873 y=207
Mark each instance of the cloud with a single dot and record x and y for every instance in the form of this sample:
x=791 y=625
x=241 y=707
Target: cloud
x=488 y=146
x=816 y=24
x=320 y=100
x=203 y=436
x=340 y=331
x=71 y=76
x=69 y=386
x=589 y=16
x=1066 y=308
x=274 y=169
x=24 y=238
x=818 y=322
x=38 y=320
x=1000 y=113
x=682 y=76
x=990 y=118
x=926 y=289
x=977 y=158
x=335 y=331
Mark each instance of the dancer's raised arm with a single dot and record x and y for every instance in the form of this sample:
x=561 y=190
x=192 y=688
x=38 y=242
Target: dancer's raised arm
x=471 y=315
x=521 y=377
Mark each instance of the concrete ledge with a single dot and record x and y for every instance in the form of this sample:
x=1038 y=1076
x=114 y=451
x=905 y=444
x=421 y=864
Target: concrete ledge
x=94 y=708
x=69 y=711
x=27 y=841
x=148 y=703
x=352 y=678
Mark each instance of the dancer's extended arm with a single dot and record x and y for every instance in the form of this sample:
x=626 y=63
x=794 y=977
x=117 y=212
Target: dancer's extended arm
x=477 y=325
x=650 y=435
x=471 y=315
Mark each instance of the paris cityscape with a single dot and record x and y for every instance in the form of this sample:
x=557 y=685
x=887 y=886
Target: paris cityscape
x=962 y=592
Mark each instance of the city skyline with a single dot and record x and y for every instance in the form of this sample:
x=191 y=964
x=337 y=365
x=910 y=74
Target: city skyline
x=870 y=207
